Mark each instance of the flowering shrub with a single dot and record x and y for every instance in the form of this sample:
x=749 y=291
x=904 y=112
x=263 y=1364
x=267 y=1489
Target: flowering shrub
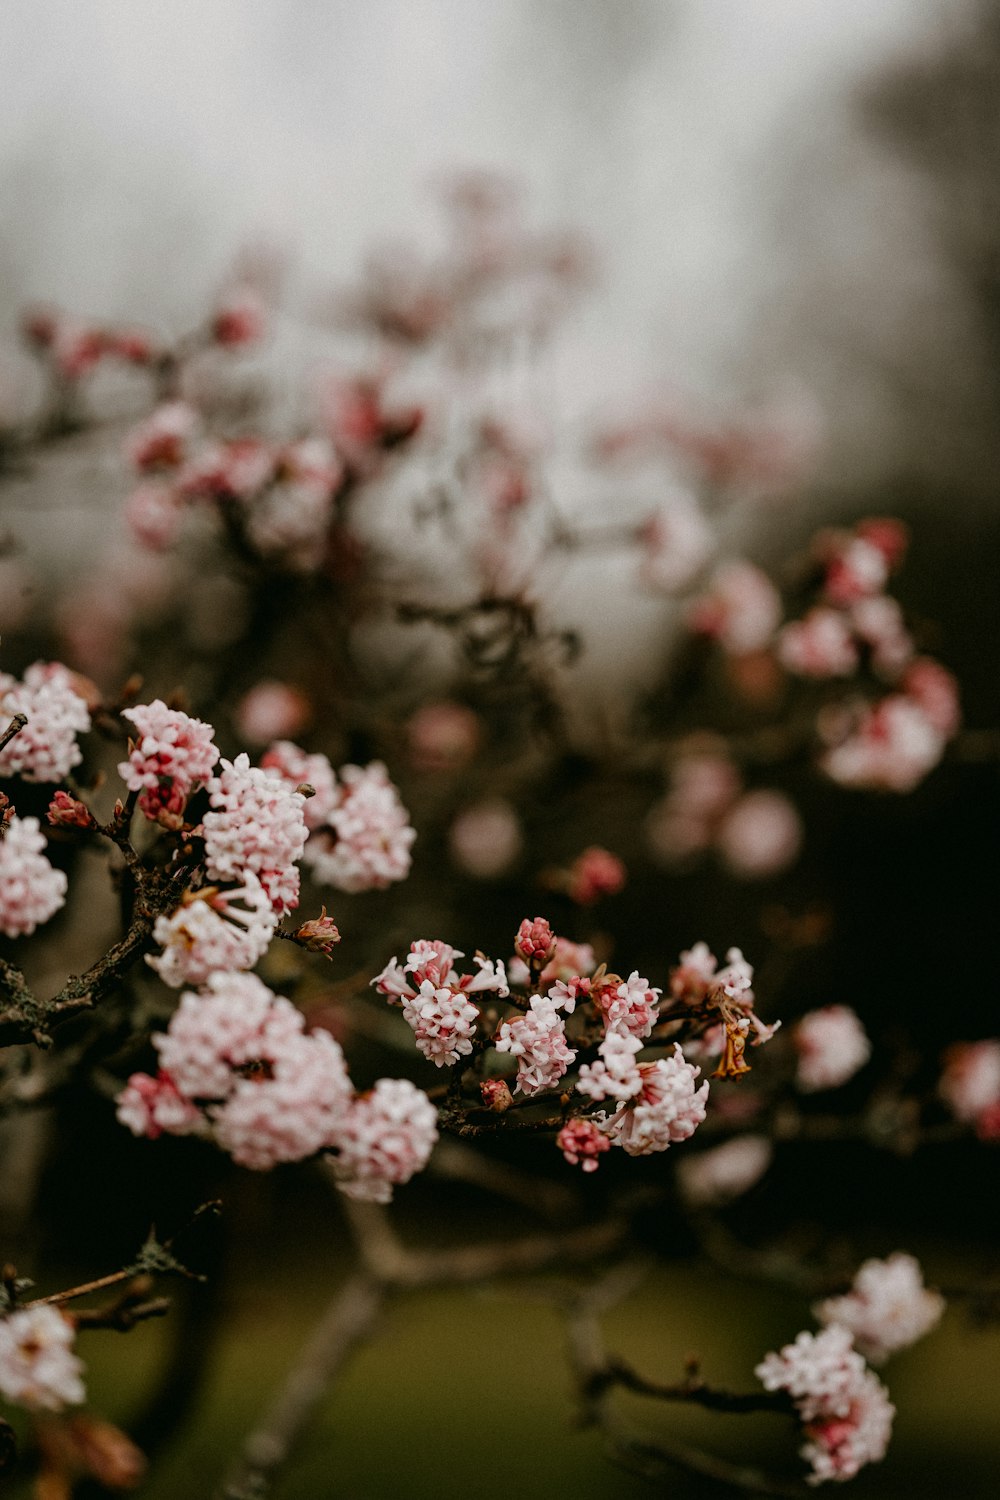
x=372 y=599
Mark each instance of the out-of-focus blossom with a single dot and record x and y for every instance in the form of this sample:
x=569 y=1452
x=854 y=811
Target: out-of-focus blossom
x=38 y=1369
x=725 y=1172
x=581 y=1142
x=703 y=786
x=538 y=1041
x=935 y=691
x=173 y=757
x=891 y=747
x=163 y=440
x=970 y=1083
x=878 y=622
x=256 y=823
x=821 y=644
x=740 y=609
x=387 y=1136
x=154 y=1106
x=761 y=835
x=677 y=542
x=857 y=563
x=214 y=931
x=272 y=710
x=31 y=891
x=240 y=318
x=365 y=842
x=485 y=839
x=594 y=874
x=443 y=736
x=888 y=1307
x=45 y=749
x=831 y=1045
x=154 y=513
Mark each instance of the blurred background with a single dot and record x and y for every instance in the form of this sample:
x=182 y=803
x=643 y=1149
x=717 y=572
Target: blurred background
x=791 y=208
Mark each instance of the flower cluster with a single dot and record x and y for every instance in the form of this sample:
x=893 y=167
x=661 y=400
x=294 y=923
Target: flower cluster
x=844 y=1408
x=435 y=998
x=755 y=833
x=256 y=824
x=173 y=757
x=214 y=931
x=740 y=608
x=38 y=1369
x=45 y=749
x=237 y=1063
x=365 y=840
x=31 y=891
x=970 y=1085
x=538 y=1040
x=888 y=1307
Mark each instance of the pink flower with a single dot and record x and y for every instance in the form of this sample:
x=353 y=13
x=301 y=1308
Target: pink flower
x=162 y=441
x=435 y=998
x=236 y=470
x=211 y=932
x=832 y=1045
x=386 y=1136
x=593 y=874
x=366 y=840
x=888 y=1307
x=703 y=785
x=891 y=747
x=538 y=1041
x=535 y=942
x=616 y=1074
x=292 y=1113
x=38 y=1369
x=761 y=835
x=443 y=736
x=172 y=758
x=292 y=520
x=153 y=513
x=257 y=824
x=485 y=839
x=627 y=1004
x=31 y=891
x=234 y=1022
x=667 y=1109
x=272 y=711
x=154 y=1106
x=65 y=811
x=970 y=1083
x=46 y=748
x=839 y=1447
x=240 y=318
x=724 y=1172
x=819 y=645
x=297 y=768
x=935 y=692
x=582 y=1142
x=741 y=609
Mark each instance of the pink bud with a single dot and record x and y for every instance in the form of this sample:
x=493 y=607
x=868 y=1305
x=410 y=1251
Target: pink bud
x=535 y=942
x=68 y=812
x=496 y=1094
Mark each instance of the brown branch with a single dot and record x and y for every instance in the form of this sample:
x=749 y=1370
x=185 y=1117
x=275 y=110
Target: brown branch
x=15 y=726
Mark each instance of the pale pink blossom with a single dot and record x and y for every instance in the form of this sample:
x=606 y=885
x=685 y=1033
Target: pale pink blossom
x=272 y=710
x=38 y=1369
x=154 y=513
x=831 y=1045
x=31 y=890
x=888 y=1307
x=154 y=1106
x=935 y=691
x=386 y=1136
x=293 y=1111
x=298 y=768
x=76 y=347
x=741 y=608
x=615 y=1075
x=46 y=748
x=162 y=440
x=760 y=836
x=443 y=736
x=677 y=543
x=703 y=786
x=891 y=747
x=878 y=621
x=435 y=997
x=820 y=645
x=538 y=1040
x=630 y=1004
x=667 y=1109
x=173 y=757
x=366 y=840
x=215 y=930
x=724 y=1172
x=443 y=1022
x=581 y=1142
x=691 y=980
x=291 y=520
x=234 y=1022
x=855 y=568
x=485 y=839
x=240 y=317
x=256 y=823
x=839 y=1447
x=970 y=1083
x=595 y=873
